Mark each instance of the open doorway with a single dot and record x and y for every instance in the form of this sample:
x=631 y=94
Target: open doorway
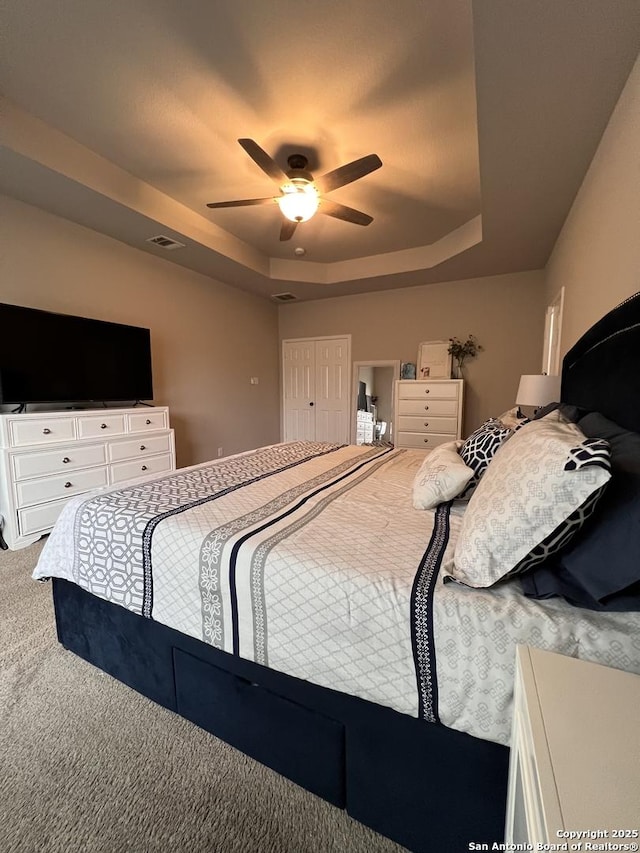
x=372 y=400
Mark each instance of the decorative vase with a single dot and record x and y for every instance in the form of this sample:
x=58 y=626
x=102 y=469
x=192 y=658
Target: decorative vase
x=457 y=370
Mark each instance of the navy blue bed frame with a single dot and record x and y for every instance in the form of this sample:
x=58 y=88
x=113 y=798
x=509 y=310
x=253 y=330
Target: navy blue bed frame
x=428 y=787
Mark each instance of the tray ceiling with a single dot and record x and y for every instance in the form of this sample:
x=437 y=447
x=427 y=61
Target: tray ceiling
x=124 y=116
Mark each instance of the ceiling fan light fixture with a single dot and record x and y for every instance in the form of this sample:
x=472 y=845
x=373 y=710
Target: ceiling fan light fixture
x=298 y=203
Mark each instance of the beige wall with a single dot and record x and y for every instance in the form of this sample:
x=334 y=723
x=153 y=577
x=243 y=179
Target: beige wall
x=505 y=313
x=597 y=255
x=207 y=339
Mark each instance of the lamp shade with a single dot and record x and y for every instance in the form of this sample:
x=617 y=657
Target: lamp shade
x=538 y=390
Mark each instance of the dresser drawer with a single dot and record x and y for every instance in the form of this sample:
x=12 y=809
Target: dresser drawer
x=429 y=390
x=41 y=431
x=421 y=441
x=435 y=408
x=40 y=518
x=54 y=461
x=50 y=488
x=137 y=447
x=428 y=424
x=122 y=471
x=146 y=421
x=104 y=426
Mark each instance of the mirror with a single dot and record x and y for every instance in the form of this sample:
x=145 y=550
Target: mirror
x=372 y=400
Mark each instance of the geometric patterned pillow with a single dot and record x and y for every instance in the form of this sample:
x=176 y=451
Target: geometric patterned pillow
x=559 y=537
x=532 y=499
x=480 y=448
x=592 y=452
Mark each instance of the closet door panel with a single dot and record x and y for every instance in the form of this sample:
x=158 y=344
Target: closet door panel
x=332 y=390
x=299 y=390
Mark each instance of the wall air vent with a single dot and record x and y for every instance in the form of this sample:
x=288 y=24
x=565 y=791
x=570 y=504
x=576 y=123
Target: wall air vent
x=283 y=297
x=165 y=242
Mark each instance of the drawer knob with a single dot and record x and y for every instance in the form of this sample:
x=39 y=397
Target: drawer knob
x=426 y=408
x=66 y=460
x=144 y=467
x=147 y=421
x=143 y=447
x=426 y=390
x=103 y=426
x=426 y=423
x=67 y=485
x=426 y=441
x=46 y=431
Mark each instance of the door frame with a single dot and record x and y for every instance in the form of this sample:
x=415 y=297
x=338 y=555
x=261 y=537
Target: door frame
x=307 y=340
x=355 y=369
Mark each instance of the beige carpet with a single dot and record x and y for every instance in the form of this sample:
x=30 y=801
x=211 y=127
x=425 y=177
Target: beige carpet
x=86 y=764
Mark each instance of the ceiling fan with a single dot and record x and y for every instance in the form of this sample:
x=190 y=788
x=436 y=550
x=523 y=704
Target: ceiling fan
x=302 y=195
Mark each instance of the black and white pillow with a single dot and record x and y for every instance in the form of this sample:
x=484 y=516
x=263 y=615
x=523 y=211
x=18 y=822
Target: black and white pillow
x=592 y=451
x=599 y=569
x=480 y=448
x=561 y=536
x=533 y=499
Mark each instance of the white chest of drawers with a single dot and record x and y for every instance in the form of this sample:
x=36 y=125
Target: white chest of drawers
x=364 y=427
x=427 y=413
x=575 y=753
x=48 y=457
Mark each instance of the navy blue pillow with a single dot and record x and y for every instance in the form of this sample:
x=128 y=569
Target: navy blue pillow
x=479 y=449
x=550 y=581
x=600 y=569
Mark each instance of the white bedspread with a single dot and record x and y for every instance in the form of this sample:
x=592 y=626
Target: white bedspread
x=310 y=559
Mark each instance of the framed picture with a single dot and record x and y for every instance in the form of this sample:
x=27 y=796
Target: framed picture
x=407 y=370
x=434 y=361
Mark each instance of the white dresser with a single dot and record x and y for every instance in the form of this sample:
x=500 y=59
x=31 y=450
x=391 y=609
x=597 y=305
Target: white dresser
x=427 y=413
x=47 y=457
x=364 y=427
x=575 y=753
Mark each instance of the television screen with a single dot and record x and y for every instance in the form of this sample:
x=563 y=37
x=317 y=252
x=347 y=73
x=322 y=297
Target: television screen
x=362 y=397
x=56 y=358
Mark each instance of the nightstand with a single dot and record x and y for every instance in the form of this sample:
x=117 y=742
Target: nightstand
x=575 y=750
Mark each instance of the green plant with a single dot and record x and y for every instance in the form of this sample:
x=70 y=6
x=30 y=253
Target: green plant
x=461 y=351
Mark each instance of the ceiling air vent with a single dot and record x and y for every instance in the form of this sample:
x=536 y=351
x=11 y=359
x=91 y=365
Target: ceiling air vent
x=283 y=297
x=165 y=242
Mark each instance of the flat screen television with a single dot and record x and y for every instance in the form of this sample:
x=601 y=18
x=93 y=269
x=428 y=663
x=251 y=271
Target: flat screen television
x=58 y=358
x=362 y=397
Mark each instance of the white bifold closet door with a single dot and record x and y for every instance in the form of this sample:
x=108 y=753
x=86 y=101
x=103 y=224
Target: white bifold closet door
x=316 y=385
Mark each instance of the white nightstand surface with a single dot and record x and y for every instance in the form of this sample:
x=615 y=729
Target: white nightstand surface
x=590 y=722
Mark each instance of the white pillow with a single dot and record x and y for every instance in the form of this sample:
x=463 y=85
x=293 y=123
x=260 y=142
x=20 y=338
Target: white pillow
x=539 y=488
x=441 y=477
x=512 y=419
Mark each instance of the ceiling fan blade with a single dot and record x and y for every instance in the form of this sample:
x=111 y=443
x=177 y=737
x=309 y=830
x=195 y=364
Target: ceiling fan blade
x=347 y=173
x=341 y=211
x=266 y=163
x=243 y=202
x=287 y=229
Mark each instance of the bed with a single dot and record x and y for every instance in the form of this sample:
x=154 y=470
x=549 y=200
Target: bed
x=291 y=601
